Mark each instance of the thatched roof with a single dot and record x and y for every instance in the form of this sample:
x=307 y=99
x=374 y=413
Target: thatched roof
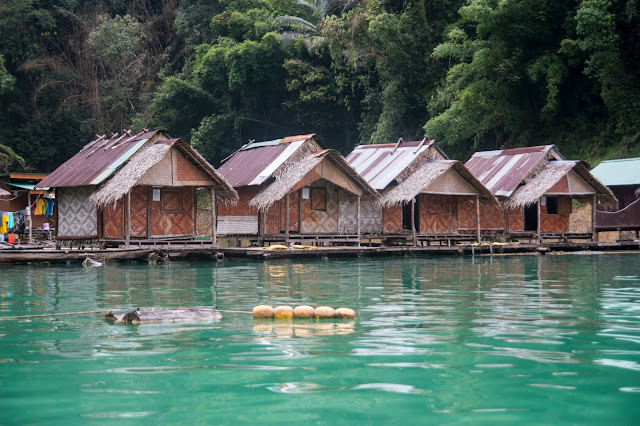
x=424 y=176
x=288 y=179
x=4 y=193
x=539 y=184
x=129 y=175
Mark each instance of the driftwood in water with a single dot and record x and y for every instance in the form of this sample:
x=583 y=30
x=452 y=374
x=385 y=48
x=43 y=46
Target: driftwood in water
x=154 y=316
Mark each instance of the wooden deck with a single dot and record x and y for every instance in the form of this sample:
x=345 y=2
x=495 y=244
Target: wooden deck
x=204 y=251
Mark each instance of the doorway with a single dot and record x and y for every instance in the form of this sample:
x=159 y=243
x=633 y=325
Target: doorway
x=406 y=215
x=531 y=217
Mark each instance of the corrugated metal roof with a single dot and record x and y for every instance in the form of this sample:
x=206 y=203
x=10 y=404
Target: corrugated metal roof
x=503 y=170
x=256 y=162
x=625 y=171
x=380 y=164
x=97 y=160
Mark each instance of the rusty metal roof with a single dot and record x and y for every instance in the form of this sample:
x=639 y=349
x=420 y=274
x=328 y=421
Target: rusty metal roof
x=503 y=170
x=98 y=160
x=380 y=164
x=257 y=161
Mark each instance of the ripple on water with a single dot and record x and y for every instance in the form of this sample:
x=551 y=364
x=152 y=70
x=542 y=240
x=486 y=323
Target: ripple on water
x=120 y=414
x=392 y=387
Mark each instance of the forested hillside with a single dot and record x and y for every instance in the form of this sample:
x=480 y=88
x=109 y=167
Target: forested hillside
x=472 y=74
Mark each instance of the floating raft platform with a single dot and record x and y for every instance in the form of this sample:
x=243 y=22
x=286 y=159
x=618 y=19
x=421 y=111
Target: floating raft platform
x=159 y=316
x=47 y=255
x=190 y=251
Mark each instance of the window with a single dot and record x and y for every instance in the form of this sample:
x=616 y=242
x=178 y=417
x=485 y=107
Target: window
x=319 y=199
x=171 y=201
x=552 y=205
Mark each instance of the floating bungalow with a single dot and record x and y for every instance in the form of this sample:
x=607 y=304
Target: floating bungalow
x=425 y=196
x=622 y=177
x=536 y=187
x=33 y=211
x=293 y=190
x=138 y=187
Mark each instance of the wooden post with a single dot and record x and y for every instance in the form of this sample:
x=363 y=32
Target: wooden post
x=594 y=232
x=478 y=217
x=127 y=237
x=286 y=219
x=539 y=213
x=29 y=214
x=214 y=218
x=358 y=220
x=413 y=221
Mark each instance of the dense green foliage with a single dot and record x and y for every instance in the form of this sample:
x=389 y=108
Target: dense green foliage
x=474 y=74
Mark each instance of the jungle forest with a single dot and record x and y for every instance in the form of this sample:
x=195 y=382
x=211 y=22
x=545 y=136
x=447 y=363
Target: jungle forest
x=471 y=74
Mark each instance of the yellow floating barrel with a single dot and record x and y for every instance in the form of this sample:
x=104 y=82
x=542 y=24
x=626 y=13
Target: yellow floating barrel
x=323 y=312
x=263 y=311
x=303 y=311
x=344 y=313
x=283 y=312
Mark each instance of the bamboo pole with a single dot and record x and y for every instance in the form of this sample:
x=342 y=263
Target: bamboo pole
x=214 y=218
x=594 y=231
x=29 y=214
x=539 y=214
x=413 y=221
x=128 y=234
x=286 y=219
x=358 y=220
x=478 y=217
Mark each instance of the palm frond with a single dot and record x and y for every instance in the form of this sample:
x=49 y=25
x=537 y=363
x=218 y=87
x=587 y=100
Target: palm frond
x=293 y=22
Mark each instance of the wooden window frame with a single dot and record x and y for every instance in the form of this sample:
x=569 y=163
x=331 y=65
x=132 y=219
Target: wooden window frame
x=313 y=200
x=162 y=195
x=551 y=203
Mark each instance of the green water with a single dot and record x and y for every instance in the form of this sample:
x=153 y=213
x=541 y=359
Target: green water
x=513 y=339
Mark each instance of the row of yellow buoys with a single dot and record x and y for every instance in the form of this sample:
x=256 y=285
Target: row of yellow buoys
x=303 y=311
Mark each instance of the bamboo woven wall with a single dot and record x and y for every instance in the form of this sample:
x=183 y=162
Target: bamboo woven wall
x=140 y=211
x=437 y=213
x=467 y=212
x=174 y=214
x=370 y=216
x=76 y=216
x=516 y=220
x=321 y=221
x=392 y=219
x=272 y=218
x=113 y=221
x=492 y=217
x=294 y=212
x=556 y=223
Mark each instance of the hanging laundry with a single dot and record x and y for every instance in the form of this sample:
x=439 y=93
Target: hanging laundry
x=39 y=205
x=3 y=223
x=10 y=222
x=49 y=211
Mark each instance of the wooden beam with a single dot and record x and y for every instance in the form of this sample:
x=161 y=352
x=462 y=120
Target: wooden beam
x=413 y=221
x=214 y=218
x=29 y=214
x=358 y=220
x=127 y=237
x=478 y=217
x=539 y=214
x=286 y=219
x=594 y=232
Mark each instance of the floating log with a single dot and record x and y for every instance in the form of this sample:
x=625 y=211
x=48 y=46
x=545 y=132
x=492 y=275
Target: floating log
x=156 y=316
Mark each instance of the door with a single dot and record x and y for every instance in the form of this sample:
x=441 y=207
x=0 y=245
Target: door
x=406 y=215
x=531 y=217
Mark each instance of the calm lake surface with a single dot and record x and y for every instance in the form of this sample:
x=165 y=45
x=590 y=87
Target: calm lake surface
x=509 y=339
